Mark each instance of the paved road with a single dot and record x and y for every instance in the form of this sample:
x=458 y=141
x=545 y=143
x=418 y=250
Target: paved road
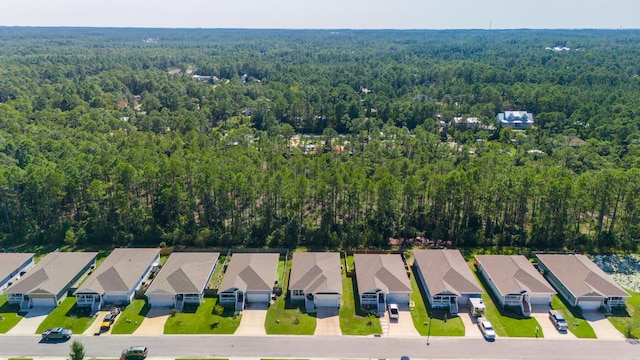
x=327 y=347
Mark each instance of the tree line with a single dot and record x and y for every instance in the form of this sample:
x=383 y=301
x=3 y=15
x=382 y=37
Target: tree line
x=318 y=138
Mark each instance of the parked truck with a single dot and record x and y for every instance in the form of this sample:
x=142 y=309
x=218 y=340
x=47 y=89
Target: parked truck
x=476 y=307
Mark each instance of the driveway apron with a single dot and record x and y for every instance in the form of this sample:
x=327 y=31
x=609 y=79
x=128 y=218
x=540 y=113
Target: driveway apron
x=403 y=326
x=30 y=322
x=153 y=323
x=253 y=318
x=602 y=326
x=327 y=322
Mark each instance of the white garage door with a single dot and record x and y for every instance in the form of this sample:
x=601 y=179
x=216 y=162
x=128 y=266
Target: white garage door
x=258 y=297
x=41 y=302
x=398 y=299
x=327 y=300
x=161 y=301
x=589 y=305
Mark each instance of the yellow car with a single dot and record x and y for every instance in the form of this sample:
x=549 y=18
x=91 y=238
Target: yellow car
x=107 y=321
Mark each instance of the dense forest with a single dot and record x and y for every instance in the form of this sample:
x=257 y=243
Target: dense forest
x=337 y=139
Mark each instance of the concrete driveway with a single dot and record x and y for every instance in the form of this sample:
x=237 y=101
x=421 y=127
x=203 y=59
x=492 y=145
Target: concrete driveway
x=541 y=314
x=253 y=318
x=96 y=324
x=403 y=326
x=602 y=326
x=31 y=321
x=327 y=322
x=153 y=323
x=471 y=328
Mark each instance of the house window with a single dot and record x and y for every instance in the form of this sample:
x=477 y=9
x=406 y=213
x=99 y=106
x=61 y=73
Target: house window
x=298 y=292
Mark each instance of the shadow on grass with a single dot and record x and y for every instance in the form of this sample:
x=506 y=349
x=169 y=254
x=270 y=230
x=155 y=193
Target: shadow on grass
x=190 y=308
x=79 y=312
x=619 y=312
x=145 y=309
x=10 y=308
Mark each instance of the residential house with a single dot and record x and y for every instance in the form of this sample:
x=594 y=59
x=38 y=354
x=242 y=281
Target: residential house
x=12 y=267
x=514 y=281
x=117 y=278
x=316 y=279
x=581 y=282
x=47 y=283
x=517 y=120
x=182 y=279
x=381 y=279
x=446 y=278
x=249 y=278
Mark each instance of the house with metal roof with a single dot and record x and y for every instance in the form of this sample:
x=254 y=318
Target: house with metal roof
x=517 y=120
x=382 y=279
x=182 y=279
x=514 y=281
x=446 y=278
x=249 y=278
x=316 y=279
x=47 y=283
x=117 y=278
x=12 y=267
x=581 y=282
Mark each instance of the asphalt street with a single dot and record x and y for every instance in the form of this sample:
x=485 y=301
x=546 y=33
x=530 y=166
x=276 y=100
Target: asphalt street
x=335 y=347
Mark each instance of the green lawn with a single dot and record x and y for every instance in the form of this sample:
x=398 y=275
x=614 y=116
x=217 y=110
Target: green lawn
x=68 y=315
x=353 y=320
x=627 y=321
x=285 y=317
x=206 y=319
x=217 y=271
x=452 y=326
x=9 y=315
x=573 y=315
x=131 y=317
x=507 y=323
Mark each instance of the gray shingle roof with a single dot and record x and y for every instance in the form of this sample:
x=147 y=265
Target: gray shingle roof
x=381 y=271
x=251 y=272
x=185 y=273
x=53 y=273
x=513 y=274
x=446 y=272
x=120 y=271
x=316 y=272
x=581 y=275
x=9 y=262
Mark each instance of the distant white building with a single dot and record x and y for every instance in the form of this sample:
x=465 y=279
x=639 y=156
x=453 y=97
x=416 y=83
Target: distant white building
x=517 y=120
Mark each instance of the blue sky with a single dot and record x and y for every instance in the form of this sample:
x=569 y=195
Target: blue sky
x=326 y=14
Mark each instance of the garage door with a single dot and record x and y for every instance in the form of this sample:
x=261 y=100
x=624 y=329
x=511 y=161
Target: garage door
x=161 y=301
x=589 y=305
x=398 y=298
x=41 y=302
x=327 y=300
x=258 y=297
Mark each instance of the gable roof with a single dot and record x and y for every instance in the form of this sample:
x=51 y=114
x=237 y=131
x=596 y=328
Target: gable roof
x=446 y=272
x=10 y=262
x=53 y=273
x=120 y=271
x=316 y=272
x=384 y=272
x=514 y=274
x=581 y=276
x=185 y=273
x=251 y=272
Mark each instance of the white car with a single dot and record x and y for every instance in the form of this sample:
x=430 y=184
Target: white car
x=486 y=328
x=393 y=311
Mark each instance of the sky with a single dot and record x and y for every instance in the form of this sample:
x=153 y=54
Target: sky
x=326 y=14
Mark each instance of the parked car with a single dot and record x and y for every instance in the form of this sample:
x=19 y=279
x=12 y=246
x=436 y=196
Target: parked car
x=486 y=328
x=558 y=320
x=108 y=321
x=57 y=334
x=393 y=311
x=134 y=353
